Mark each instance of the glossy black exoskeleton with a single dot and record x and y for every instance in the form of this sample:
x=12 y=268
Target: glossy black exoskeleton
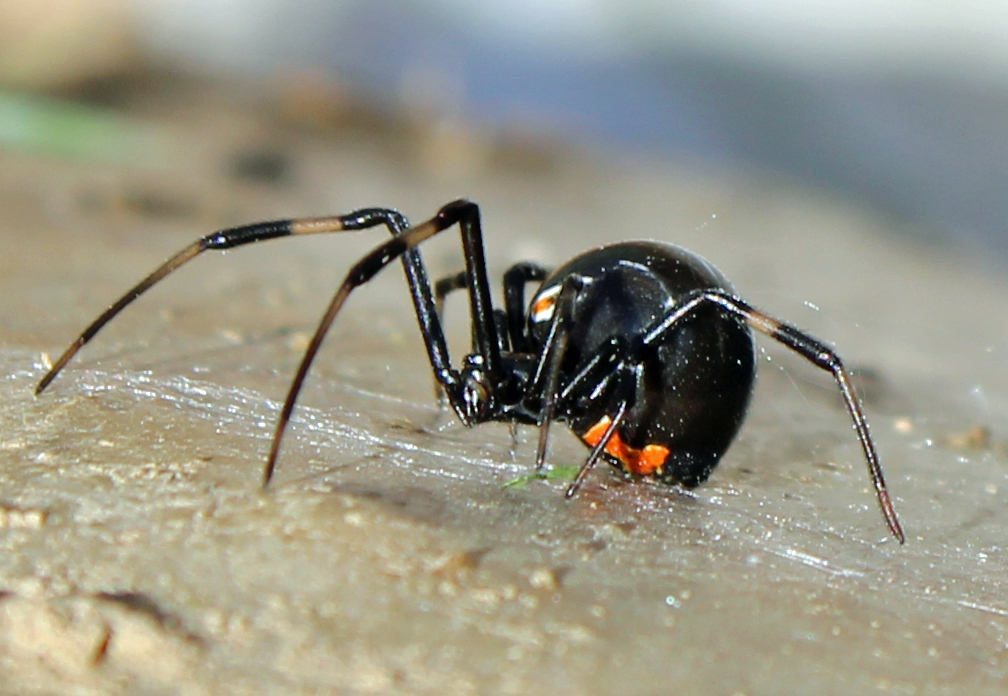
x=641 y=347
x=686 y=390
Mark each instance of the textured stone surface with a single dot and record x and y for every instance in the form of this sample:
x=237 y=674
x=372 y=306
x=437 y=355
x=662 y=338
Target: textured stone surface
x=139 y=555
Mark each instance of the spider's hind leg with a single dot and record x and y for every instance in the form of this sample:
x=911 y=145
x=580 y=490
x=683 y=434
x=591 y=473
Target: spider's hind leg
x=810 y=348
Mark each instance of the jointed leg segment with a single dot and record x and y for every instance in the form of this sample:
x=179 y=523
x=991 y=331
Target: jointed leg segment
x=515 y=279
x=809 y=348
x=403 y=244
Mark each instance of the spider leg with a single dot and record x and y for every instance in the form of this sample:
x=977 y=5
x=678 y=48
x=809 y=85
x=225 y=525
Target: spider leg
x=442 y=288
x=512 y=333
x=546 y=378
x=447 y=285
x=598 y=449
x=600 y=373
x=403 y=244
x=466 y=215
x=248 y=234
x=223 y=239
x=486 y=341
x=810 y=348
x=515 y=279
x=459 y=281
x=511 y=328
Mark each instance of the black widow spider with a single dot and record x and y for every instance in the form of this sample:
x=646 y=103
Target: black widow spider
x=641 y=347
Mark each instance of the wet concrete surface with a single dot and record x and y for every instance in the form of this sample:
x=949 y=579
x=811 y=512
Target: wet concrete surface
x=140 y=555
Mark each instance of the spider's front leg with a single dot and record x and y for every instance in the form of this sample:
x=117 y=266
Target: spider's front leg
x=403 y=244
x=512 y=332
x=472 y=390
x=243 y=235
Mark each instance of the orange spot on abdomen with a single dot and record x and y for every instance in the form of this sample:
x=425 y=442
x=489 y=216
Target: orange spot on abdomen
x=643 y=462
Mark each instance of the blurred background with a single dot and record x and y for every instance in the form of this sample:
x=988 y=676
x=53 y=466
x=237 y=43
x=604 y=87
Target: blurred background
x=898 y=106
x=790 y=142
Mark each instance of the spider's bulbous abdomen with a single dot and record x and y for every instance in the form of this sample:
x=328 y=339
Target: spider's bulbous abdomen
x=692 y=385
